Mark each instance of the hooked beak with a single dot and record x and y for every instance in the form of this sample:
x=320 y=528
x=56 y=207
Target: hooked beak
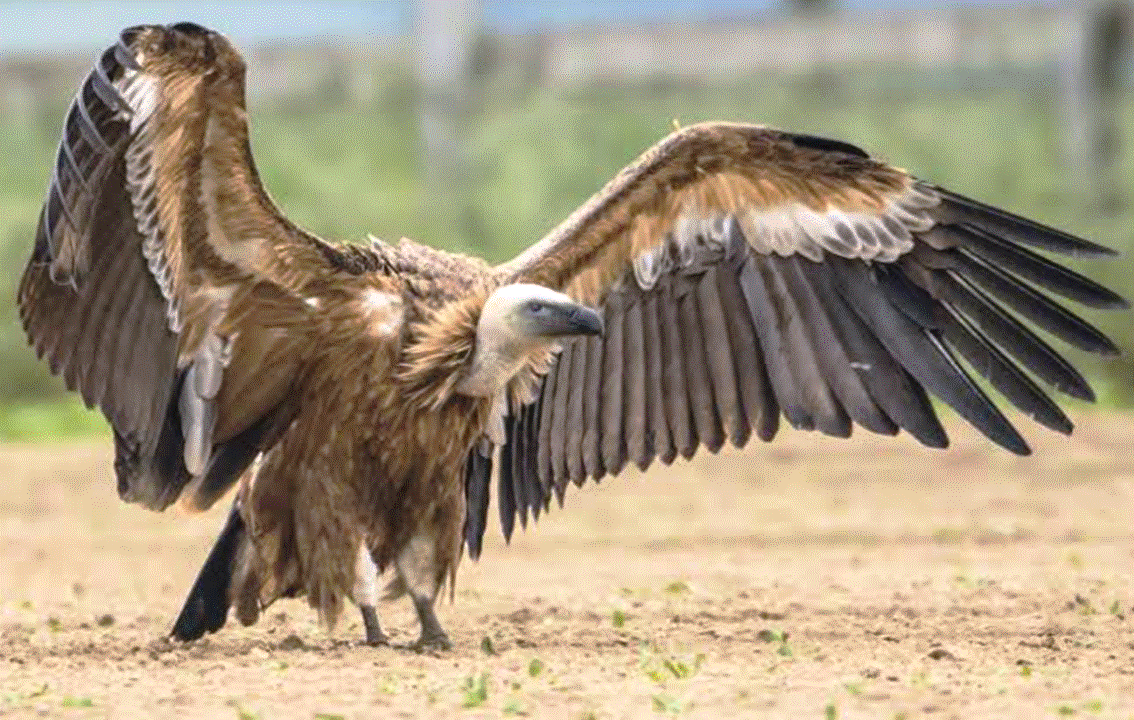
x=571 y=320
x=587 y=321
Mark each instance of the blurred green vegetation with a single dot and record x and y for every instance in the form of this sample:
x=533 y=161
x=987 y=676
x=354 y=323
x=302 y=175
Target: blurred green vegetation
x=344 y=168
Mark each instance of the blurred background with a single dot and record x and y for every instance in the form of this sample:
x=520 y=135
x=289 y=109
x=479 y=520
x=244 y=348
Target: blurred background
x=478 y=125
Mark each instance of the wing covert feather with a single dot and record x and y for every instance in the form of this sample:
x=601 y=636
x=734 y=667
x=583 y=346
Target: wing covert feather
x=744 y=272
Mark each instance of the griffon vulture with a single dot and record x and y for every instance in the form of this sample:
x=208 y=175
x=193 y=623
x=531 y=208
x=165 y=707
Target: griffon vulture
x=357 y=396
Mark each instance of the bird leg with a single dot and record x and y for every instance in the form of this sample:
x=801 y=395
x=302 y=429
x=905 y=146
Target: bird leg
x=365 y=595
x=374 y=634
x=433 y=636
x=417 y=571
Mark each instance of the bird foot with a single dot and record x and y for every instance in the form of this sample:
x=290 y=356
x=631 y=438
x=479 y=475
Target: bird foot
x=374 y=635
x=437 y=642
x=379 y=639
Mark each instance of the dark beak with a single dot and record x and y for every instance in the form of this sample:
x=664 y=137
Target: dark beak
x=568 y=321
x=586 y=321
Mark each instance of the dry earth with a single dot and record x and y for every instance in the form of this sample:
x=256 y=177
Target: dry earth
x=807 y=579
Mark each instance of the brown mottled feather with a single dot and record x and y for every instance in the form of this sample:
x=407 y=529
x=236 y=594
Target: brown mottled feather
x=739 y=270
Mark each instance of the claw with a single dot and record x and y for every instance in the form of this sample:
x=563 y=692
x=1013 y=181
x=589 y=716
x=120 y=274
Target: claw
x=435 y=643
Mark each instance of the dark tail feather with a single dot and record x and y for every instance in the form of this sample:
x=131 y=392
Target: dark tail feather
x=206 y=608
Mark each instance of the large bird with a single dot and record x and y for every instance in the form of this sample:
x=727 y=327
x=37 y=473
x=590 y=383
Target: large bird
x=359 y=395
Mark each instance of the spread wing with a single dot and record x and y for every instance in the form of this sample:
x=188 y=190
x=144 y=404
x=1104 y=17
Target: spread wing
x=163 y=277
x=747 y=273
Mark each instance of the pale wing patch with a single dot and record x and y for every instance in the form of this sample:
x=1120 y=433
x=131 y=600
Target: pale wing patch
x=878 y=234
x=142 y=93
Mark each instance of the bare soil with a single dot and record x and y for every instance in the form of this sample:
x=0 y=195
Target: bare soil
x=810 y=578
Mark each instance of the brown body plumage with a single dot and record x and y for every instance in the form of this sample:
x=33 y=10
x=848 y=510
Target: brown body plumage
x=359 y=394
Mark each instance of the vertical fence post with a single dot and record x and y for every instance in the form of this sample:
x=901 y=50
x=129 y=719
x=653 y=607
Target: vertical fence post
x=447 y=33
x=1094 y=80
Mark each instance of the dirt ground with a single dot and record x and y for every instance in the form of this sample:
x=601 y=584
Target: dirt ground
x=807 y=579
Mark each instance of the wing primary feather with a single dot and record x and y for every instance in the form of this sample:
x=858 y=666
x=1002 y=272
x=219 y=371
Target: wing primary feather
x=57 y=206
x=705 y=418
x=959 y=209
x=528 y=446
x=86 y=327
x=889 y=384
x=478 y=475
x=613 y=397
x=523 y=492
x=993 y=365
x=546 y=406
x=519 y=488
x=87 y=125
x=921 y=306
x=67 y=159
x=103 y=86
x=801 y=356
x=635 y=422
x=125 y=56
x=1005 y=330
x=531 y=448
x=1039 y=270
x=830 y=352
x=719 y=354
x=106 y=355
x=773 y=345
x=1034 y=305
x=655 y=387
x=923 y=354
x=673 y=371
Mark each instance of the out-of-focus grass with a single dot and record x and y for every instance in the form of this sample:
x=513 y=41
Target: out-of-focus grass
x=49 y=420
x=344 y=169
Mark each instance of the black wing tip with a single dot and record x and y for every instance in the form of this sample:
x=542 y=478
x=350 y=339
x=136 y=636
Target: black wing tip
x=1020 y=448
x=1114 y=302
x=935 y=439
x=1064 y=428
x=1039 y=234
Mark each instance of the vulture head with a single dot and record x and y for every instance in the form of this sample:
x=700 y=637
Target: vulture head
x=534 y=314
x=517 y=322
